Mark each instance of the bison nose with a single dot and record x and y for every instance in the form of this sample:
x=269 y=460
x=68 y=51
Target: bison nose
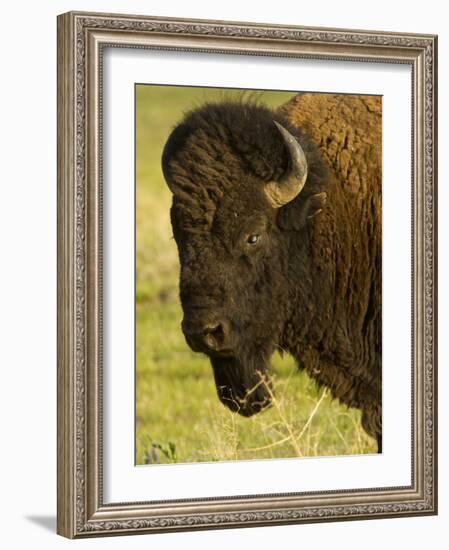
x=215 y=336
x=206 y=336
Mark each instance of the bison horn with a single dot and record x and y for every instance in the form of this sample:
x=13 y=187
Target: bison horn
x=286 y=189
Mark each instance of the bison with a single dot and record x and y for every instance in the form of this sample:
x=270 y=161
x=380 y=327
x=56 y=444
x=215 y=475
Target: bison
x=277 y=219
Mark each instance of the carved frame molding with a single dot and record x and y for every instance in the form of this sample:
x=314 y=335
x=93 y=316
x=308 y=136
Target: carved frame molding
x=81 y=39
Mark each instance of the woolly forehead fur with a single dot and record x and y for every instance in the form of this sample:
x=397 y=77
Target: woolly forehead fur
x=224 y=153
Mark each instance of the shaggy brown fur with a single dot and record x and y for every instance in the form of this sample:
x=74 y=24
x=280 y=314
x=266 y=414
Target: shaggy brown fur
x=311 y=284
x=347 y=248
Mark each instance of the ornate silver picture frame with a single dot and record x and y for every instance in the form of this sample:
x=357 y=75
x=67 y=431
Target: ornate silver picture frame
x=82 y=509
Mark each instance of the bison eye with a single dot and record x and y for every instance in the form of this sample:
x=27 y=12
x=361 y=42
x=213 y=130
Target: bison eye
x=252 y=239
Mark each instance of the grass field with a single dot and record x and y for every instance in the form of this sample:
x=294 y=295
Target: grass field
x=178 y=415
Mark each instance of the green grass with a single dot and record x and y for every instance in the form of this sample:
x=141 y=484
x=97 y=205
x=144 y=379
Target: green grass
x=178 y=415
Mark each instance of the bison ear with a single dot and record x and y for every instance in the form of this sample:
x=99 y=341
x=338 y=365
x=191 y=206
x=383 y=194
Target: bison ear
x=294 y=216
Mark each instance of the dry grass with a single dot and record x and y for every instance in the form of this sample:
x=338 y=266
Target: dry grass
x=297 y=437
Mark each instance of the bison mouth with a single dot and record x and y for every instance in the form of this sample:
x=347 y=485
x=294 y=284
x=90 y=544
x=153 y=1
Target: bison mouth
x=240 y=369
x=244 y=387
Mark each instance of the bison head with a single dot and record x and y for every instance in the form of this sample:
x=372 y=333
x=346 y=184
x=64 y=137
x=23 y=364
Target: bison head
x=231 y=169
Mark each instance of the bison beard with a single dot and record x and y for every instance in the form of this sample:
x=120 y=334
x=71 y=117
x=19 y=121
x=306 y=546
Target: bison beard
x=277 y=218
x=243 y=386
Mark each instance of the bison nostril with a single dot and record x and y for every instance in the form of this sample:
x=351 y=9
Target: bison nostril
x=214 y=335
x=206 y=335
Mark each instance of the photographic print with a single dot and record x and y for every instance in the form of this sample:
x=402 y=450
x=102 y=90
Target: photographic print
x=258 y=274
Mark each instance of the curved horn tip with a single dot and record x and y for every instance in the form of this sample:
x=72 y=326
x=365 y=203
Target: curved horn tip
x=297 y=154
x=285 y=190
